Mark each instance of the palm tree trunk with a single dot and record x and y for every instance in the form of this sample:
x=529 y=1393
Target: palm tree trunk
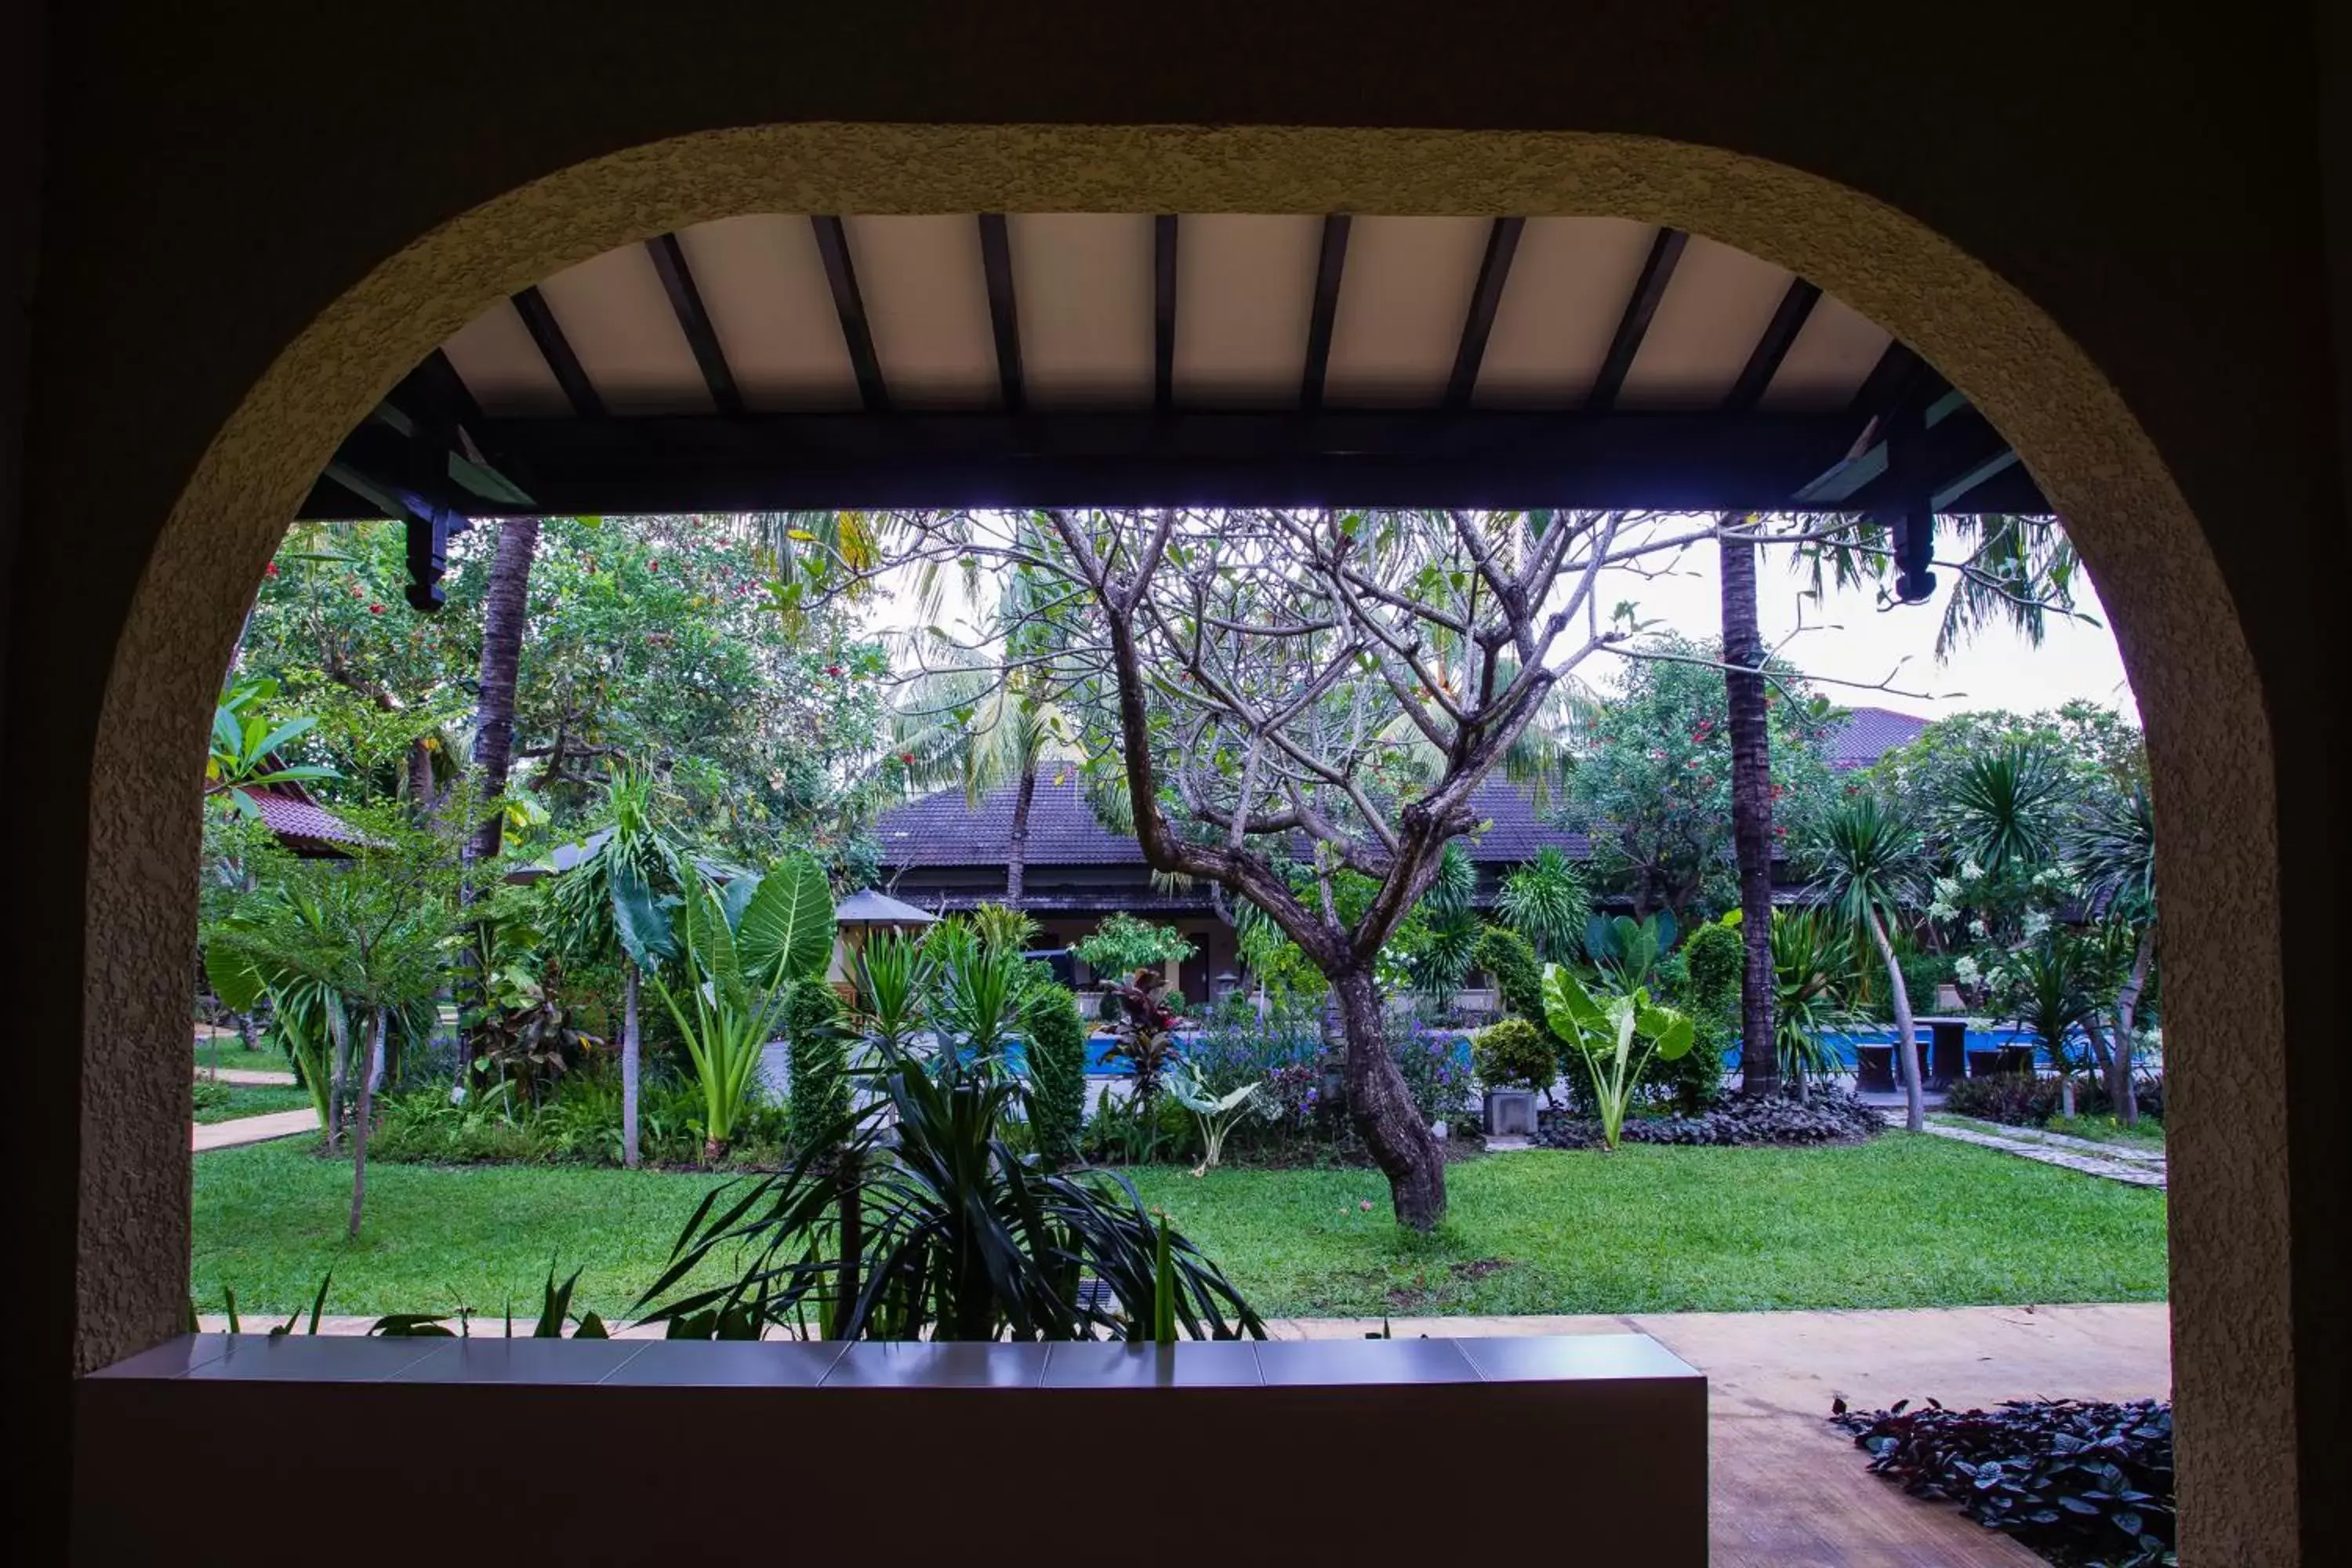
x=629 y=1051
x=1016 y=859
x=505 y=612
x=2122 y=1092
x=1906 y=1035
x=361 y=1123
x=1751 y=812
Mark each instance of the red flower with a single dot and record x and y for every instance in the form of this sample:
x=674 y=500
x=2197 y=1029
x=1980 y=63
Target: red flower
x=375 y=609
x=832 y=669
x=908 y=758
x=270 y=570
x=654 y=564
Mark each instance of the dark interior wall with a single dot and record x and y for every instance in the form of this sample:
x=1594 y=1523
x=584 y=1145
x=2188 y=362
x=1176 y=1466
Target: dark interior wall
x=218 y=176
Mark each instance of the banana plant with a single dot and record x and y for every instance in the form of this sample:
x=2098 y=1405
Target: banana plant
x=741 y=946
x=1618 y=1036
x=1217 y=1115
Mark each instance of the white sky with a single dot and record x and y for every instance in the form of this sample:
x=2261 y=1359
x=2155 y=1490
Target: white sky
x=1846 y=637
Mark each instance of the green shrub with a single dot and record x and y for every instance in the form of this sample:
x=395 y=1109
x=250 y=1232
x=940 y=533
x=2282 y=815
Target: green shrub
x=820 y=1059
x=1507 y=958
x=1057 y=1072
x=1710 y=964
x=1714 y=958
x=2019 y=1100
x=1511 y=1054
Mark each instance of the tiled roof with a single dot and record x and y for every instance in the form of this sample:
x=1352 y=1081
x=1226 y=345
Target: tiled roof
x=1868 y=734
x=293 y=818
x=940 y=830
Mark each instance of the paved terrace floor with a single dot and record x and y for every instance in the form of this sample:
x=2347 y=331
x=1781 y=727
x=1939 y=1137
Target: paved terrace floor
x=1787 y=1490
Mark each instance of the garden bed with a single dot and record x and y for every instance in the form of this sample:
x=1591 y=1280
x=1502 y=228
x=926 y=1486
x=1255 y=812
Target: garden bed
x=1829 y=1116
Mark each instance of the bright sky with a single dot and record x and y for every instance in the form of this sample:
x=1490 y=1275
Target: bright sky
x=1846 y=637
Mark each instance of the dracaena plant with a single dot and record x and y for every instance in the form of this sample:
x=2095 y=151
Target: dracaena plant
x=1618 y=1037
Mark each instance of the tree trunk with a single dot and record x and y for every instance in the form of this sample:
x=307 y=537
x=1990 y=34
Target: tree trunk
x=505 y=611
x=1383 y=1109
x=629 y=1049
x=2122 y=1092
x=360 y=1123
x=1016 y=861
x=339 y=1030
x=1752 y=813
x=1906 y=1035
x=420 y=782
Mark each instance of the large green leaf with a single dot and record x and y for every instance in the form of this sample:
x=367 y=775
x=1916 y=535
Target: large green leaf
x=639 y=919
x=787 y=928
x=1568 y=1006
x=237 y=979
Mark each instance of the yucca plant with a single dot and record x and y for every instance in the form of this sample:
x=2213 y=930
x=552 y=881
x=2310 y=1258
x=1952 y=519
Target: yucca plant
x=1545 y=902
x=950 y=1234
x=1868 y=868
x=2003 y=813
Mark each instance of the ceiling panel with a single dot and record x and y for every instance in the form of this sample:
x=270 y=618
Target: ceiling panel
x=618 y=321
x=1082 y=284
x=1568 y=286
x=1244 y=288
x=1716 y=307
x=1830 y=359
x=494 y=357
x=926 y=302
x=764 y=287
x=1402 y=299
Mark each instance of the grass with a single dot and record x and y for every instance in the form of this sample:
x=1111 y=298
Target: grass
x=1899 y=1222
x=2144 y=1134
x=215 y=1051
x=228 y=1101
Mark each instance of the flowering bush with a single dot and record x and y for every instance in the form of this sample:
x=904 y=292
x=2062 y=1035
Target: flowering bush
x=1436 y=1068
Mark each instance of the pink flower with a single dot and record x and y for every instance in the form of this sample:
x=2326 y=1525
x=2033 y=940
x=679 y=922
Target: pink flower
x=1366 y=1205
x=375 y=609
x=270 y=570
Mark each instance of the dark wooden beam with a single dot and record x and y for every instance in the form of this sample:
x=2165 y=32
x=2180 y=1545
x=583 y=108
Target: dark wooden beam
x=1634 y=322
x=841 y=275
x=1899 y=373
x=1945 y=455
x=1330 y=263
x=1772 y=347
x=686 y=303
x=556 y=349
x=1493 y=271
x=1163 y=312
x=1505 y=459
x=1003 y=311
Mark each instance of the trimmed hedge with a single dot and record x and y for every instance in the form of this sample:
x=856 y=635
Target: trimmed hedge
x=819 y=1048
x=1058 y=1073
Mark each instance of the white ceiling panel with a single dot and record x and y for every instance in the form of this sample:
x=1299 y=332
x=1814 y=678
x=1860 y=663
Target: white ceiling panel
x=1245 y=288
x=763 y=285
x=1715 y=309
x=1568 y=282
x=1082 y=286
x=504 y=370
x=927 y=304
x=1832 y=357
x=618 y=321
x=1402 y=299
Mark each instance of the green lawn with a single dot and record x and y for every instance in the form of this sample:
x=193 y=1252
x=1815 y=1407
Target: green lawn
x=1899 y=1222
x=228 y=1101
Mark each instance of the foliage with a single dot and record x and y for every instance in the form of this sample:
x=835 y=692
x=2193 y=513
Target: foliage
x=1713 y=960
x=1057 y=1072
x=246 y=743
x=2016 y=1098
x=1122 y=945
x=2004 y=810
x=1825 y=1116
x=1650 y=781
x=2081 y=1482
x=1436 y=1068
x=1606 y=1034
x=1215 y=1114
x=1510 y=961
x=978 y=991
x=820 y=1056
x=896 y=975
x=944 y=1231
x=1628 y=951
x=1810 y=960
x=1510 y=1053
x=1545 y=900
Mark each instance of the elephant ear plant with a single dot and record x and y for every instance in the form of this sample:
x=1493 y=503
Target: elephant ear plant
x=1617 y=1037
x=950 y=1233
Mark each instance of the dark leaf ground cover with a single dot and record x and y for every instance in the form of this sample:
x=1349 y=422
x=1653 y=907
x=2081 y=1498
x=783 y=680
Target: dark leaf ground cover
x=1896 y=1222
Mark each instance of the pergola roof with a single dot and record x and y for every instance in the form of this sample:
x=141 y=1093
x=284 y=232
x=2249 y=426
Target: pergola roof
x=771 y=361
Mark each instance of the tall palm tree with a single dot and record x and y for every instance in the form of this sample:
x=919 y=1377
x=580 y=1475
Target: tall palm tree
x=613 y=899
x=979 y=732
x=1869 y=868
x=2114 y=852
x=1751 y=807
x=506 y=614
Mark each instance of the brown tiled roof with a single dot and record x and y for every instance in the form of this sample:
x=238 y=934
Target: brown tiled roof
x=293 y=817
x=1868 y=734
x=941 y=830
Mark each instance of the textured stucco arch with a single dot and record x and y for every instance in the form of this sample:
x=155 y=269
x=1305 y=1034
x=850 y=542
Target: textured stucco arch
x=2182 y=641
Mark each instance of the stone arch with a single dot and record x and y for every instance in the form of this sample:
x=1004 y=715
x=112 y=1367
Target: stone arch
x=2181 y=635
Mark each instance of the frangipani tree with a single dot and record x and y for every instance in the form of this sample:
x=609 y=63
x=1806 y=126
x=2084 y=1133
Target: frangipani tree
x=1266 y=687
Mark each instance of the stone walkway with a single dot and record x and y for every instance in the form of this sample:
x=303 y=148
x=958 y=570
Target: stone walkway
x=252 y=1076
x=255 y=1129
x=2115 y=1161
x=1787 y=1490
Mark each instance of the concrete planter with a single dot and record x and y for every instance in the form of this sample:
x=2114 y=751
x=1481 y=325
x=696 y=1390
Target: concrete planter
x=1510 y=1113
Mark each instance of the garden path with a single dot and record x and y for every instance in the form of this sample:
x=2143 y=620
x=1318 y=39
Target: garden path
x=255 y=1076
x=2115 y=1161
x=254 y=1129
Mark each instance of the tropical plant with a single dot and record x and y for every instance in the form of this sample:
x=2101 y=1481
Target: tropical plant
x=1868 y=870
x=1215 y=1114
x=741 y=947
x=979 y=989
x=819 y=1048
x=1057 y=1072
x=895 y=979
x=1545 y=900
x=2113 y=854
x=2049 y=986
x=1810 y=960
x=1629 y=950
x=2003 y=813
x=1618 y=1037
x=247 y=747
x=950 y=1233
x=1003 y=928
x=1122 y=945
